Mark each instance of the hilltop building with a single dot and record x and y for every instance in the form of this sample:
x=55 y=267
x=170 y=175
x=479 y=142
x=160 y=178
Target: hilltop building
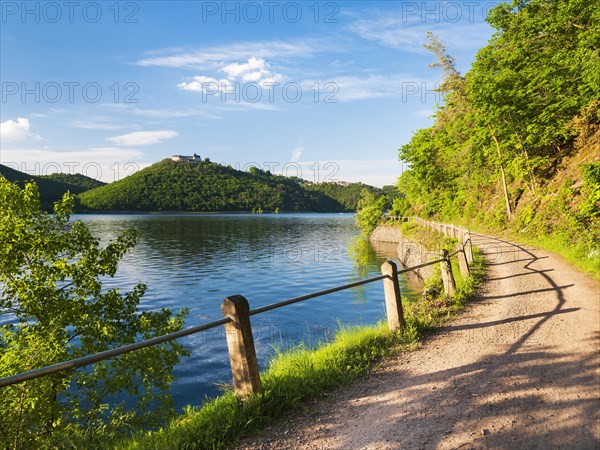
x=192 y=158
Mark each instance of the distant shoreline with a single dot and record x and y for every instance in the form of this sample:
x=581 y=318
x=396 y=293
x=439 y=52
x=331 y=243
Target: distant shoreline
x=211 y=212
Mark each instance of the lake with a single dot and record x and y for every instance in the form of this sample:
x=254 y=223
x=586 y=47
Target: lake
x=196 y=260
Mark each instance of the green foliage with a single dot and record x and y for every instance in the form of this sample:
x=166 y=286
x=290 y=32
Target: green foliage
x=51 y=187
x=361 y=253
x=300 y=374
x=527 y=107
x=204 y=186
x=347 y=195
x=399 y=207
x=370 y=209
x=589 y=208
x=54 y=310
x=293 y=377
x=74 y=179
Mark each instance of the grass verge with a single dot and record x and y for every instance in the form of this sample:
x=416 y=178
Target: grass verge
x=299 y=374
x=576 y=253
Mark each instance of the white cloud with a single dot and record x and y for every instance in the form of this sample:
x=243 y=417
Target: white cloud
x=296 y=154
x=17 y=131
x=217 y=57
x=162 y=113
x=143 y=137
x=409 y=35
x=255 y=70
x=103 y=163
x=205 y=84
x=100 y=125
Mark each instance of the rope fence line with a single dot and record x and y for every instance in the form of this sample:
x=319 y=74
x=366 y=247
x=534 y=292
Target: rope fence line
x=236 y=320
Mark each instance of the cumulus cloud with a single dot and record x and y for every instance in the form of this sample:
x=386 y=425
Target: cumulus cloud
x=17 y=131
x=205 y=84
x=254 y=70
x=143 y=137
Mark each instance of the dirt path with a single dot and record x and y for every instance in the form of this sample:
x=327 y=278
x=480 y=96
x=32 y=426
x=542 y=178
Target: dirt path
x=518 y=370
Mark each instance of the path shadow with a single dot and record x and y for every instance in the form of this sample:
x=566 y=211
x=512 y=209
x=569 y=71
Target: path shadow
x=554 y=395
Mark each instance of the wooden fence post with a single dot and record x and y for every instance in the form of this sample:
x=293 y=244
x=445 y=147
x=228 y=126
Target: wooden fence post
x=393 y=300
x=467 y=244
x=462 y=261
x=447 y=277
x=242 y=354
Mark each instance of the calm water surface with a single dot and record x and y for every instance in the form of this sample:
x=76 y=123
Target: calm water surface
x=195 y=261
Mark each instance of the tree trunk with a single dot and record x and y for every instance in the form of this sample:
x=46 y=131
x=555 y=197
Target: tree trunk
x=508 y=207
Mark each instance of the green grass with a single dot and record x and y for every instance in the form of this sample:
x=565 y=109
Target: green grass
x=293 y=377
x=578 y=254
x=428 y=238
x=575 y=251
x=300 y=374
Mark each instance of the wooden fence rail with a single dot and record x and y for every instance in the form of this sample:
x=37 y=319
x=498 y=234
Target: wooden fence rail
x=236 y=320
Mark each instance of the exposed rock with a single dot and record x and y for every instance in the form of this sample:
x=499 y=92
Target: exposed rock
x=409 y=253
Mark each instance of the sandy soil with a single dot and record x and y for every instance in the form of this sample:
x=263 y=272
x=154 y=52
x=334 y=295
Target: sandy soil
x=519 y=369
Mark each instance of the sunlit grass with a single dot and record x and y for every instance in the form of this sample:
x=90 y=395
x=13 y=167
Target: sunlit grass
x=299 y=374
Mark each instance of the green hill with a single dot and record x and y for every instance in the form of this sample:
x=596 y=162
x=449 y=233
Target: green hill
x=205 y=186
x=51 y=187
x=346 y=195
x=77 y=180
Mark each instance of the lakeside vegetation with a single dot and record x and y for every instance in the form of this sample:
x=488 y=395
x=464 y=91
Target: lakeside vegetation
x=300 y=374
x=515 y=148
x=55 y=309
x=85 y=408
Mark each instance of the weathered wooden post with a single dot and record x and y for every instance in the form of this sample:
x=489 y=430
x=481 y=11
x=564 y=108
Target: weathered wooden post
x=462 y=261
x=242 y=354
x=393 y=300
x=447 y=277
x=468 y=247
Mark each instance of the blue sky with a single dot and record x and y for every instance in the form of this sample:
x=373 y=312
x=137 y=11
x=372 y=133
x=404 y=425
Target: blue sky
x=324 y=90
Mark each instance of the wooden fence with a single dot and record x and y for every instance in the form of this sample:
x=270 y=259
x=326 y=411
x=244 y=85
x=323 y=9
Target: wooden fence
x=236 y=317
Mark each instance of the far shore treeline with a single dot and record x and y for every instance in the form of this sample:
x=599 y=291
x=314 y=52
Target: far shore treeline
x=201 y=186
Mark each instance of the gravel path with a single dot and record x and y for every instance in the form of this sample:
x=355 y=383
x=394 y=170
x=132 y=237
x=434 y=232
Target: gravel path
x=519 y=369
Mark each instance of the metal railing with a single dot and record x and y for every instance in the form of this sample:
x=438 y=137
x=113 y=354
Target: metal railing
x=393 y=308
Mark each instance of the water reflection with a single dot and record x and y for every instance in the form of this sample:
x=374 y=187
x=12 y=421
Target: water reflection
x=195 y=261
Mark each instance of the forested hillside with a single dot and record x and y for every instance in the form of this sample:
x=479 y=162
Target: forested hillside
x=74 y=179
x=347 y=195
x=51 y=187
x=205 y=186
x=516 y=144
